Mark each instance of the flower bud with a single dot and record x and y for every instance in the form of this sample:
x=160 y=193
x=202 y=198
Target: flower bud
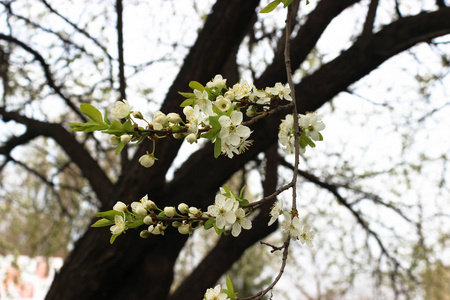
x=114 y=140
x=159 y=118
x=138 y=115
x=183 y=208
x=154 y=229
x=147 y=160
x=188 y=111
x=184 y=229
x=144 y=234
x=174 y=118
x=149 y=204
x=125 y=138
x=194 y=211
x=169 y=211
x=148 y=220
x=191 y=138
x=120 y=206
x=176 y=224
x=178 y=135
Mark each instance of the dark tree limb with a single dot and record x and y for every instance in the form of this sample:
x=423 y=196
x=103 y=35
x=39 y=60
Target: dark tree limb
x=46 y=68
x=100 y=183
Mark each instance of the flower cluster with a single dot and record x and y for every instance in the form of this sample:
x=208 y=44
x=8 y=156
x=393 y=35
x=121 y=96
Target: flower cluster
x=293 y=227
x=213 y=111
x=228 y=210
x=310 y=125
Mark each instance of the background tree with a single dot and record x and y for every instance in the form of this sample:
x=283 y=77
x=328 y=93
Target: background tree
x=56 y=56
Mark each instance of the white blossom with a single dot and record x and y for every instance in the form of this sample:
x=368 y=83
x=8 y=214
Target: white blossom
x=120 y=110
x=217 y=83
x=138 y=208
x=312 y=124
x=222 y=103
x=242 y=89
x=223 y=210
x=232 y=131
x=306 y=236
x=119 y=226
x=215 y=293
x=241 y=222
x=275 y=212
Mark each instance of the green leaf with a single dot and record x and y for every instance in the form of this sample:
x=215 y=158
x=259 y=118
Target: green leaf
x=161 y=215
x=103 y=223
x=135 y=224
x=241 y=192
x=113 y=238
x=270 y=7
x=217 y=147
x=187 y=95
x=287 y=2
x=187 y=102
x=105 y=118
x=230 y=287
x=92 y=113
x=209 y=223
x=128 y=127
x=243 y=202
x=110 y=214
x=228 y=191
x=194 y=85
x=320 y=136
x=119 y=148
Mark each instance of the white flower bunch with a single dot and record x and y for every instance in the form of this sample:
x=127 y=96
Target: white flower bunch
x=310 y=125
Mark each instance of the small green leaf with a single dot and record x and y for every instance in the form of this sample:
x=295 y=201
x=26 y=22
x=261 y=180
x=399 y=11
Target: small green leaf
x=105 y=118
x=120 y=148
x=187 y=95
x=230 y=287
x=287 y=2
x=241 y=192
x=113 y=238
x=103 y=223
x=110 y=214
x=188 y=102
x=135 y=224
x=128 y=127
x=270 y=7
x=92 y=113
x=320 y=136
x=217 y=147
x=209 y=223
x=161 y=215
x=194 y=85
x=243 y=202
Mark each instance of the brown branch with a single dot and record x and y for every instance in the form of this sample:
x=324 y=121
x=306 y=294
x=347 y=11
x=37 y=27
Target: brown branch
x=46 y=68
x=100 y=183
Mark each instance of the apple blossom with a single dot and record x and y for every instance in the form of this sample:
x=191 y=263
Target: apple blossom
x=275 y=212
x=217 y=83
